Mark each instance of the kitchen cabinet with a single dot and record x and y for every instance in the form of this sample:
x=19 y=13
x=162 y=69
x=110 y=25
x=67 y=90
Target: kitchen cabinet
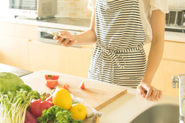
x=73 y=61
x=14 y=40
x=14 y=52
x=163 y=77
x=172 y=63
x=14 y=30
x=19 y=47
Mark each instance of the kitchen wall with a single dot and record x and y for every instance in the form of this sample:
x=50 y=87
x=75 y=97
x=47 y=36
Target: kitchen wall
x=73 y=8
x=66 y=8
x=4 y=8
x=78 y=8
x=176 y=4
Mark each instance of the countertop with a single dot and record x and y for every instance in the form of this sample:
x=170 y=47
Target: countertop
x=59 y=23
x=77 y=24
x=18 y=71
x=174 y=36
x=130 y=105
x=125 y=108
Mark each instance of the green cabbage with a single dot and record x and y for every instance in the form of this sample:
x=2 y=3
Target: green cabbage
x=10 y=82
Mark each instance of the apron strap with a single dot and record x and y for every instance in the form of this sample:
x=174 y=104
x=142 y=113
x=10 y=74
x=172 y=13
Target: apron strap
x=112 y=52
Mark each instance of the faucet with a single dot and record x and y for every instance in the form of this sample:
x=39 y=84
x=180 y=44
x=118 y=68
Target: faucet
x=180 y=82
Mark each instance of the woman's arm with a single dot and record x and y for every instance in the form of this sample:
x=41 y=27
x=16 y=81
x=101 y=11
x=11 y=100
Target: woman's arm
x=86 y=38
x=155 y=55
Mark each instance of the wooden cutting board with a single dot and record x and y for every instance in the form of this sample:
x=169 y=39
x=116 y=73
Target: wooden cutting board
x=97 y=94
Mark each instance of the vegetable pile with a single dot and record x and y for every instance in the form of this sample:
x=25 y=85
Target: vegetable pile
x=20 y=104
x=15 y=97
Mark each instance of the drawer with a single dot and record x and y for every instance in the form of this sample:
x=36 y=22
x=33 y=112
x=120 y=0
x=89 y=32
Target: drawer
x=172 y=51
x=33 y=33
x=14 y=30
x=67 y=60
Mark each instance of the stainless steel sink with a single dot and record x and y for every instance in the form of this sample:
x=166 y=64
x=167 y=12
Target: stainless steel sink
x=159 y=114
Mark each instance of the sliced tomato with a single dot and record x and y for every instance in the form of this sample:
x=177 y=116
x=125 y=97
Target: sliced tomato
x=51 y=83
x=82 y=85
x=65 y=86
x=53 y=77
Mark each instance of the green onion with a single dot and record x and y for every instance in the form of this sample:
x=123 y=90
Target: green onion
x=14 y=105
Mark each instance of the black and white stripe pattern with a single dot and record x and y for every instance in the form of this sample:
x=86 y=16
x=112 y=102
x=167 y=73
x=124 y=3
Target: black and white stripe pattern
x=118 y=57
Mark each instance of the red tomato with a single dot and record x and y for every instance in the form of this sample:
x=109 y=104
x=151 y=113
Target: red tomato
x=82 y=85
x=65 y=86
x=51 y=83
x=53 y=77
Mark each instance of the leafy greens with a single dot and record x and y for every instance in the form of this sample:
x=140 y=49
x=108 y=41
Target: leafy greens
x=14 y=105
x=56 y=114
x=15 y=97
x=9 y=82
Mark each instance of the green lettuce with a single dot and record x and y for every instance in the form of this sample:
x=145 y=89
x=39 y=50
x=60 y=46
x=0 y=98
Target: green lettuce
x=9 y=82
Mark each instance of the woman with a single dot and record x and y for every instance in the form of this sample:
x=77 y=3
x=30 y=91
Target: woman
x=120 y=28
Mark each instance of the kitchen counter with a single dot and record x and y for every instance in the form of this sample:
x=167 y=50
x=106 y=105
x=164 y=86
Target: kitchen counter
x=18 y=71
x=123 y=109
x=61 y=23
x=129 y=106
x=77 y=24
x=175 y=36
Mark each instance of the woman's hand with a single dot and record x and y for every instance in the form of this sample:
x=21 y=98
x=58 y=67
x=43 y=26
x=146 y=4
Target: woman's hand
x=147 y=91
x=67 y=41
